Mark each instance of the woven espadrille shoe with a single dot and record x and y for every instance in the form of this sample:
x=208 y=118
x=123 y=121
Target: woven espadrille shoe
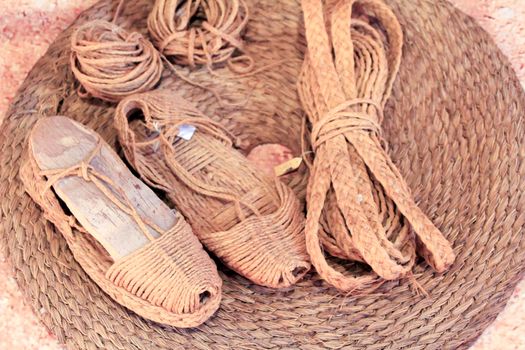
x=252 y=222
x=139 y=251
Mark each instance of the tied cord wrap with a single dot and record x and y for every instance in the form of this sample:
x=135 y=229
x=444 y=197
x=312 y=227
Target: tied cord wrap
x=341 y=120
x=359 y=206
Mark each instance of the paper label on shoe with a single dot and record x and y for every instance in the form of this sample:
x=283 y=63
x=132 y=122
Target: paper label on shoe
x=186 y=131
x=288 y=166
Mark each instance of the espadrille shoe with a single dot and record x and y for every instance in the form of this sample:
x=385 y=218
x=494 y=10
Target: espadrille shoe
x=252 y=222
x=139 y=251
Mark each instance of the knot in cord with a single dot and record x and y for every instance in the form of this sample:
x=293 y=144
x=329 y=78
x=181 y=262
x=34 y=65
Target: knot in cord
x=84 y=170
x=135 y=37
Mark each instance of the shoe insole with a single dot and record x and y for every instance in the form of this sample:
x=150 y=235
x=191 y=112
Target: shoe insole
x=59 y=143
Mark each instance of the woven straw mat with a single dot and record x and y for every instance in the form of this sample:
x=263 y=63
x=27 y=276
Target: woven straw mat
x=455 y=129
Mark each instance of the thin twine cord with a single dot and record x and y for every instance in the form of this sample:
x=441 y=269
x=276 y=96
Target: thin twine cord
x=118 y=11
x=354 y=187
x=192 y=82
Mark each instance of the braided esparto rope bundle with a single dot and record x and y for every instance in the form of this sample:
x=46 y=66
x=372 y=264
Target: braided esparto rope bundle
x=355 y=191
x=111 y=63
x=200 y=32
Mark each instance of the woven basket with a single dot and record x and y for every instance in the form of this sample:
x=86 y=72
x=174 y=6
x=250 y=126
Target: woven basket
x=455 y=127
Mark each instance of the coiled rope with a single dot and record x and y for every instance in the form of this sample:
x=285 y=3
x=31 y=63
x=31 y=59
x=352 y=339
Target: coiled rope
x=201 y=32
x=111 y=63
x=359 y=206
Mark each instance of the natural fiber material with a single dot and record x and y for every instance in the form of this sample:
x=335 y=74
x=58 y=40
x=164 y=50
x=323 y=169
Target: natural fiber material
x=199 y=32
x=455 y=132
x=111 y=63
x=253 y=223
x=172 y=272
x=162 y=281
x=366 y=203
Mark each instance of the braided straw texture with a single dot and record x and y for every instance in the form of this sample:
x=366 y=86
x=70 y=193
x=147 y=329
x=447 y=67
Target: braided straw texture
x=455 y=132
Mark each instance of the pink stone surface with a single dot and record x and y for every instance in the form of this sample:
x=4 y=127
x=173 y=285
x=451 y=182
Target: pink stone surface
x=267 y=157
x=27 y=27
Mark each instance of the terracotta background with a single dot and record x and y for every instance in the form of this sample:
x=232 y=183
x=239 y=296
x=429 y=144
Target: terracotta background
x=27 y=27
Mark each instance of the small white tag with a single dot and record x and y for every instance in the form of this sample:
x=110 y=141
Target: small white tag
x=156 y=126
x=186 y=131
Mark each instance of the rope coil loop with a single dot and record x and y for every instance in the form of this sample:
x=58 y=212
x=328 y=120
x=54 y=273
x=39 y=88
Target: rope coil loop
x=359 y=206
x=111 y=63
x=201 y=32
